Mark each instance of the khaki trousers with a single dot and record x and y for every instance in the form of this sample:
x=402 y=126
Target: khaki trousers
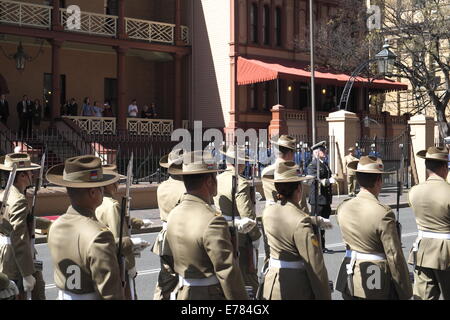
x=351 y=184
x=429 y=284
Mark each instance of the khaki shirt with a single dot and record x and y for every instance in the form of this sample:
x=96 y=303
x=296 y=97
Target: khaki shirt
x=367 y=226
x=169 y=194
x=84 y=248
x=200 y=243
x=108 y=213
x=430 y=202
x=243 y=201
x=16 y=260
x=270 y=193
x=291 y=238
x=347 y=159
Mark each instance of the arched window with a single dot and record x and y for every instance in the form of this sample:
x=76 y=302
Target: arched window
x=254 y=23
x=278 y=40
x=266 y=25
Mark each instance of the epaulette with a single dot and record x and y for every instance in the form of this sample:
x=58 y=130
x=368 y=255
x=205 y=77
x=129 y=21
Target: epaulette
x=345 y=200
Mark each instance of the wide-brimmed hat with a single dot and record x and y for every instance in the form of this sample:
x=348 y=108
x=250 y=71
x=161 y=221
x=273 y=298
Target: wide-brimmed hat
x=22 y=161
x=112 y=168
x=285 y=141
x=175 y=157
x=231 y=153
x=434 y=153
x=351 y=149
x=196 y=162
x=320 y=145
x=81 y=172
x=368 y=164
x=286 y=171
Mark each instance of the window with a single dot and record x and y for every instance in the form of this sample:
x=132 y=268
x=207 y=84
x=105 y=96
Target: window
x=278 y=40
x=266 y=96
x=253 y=97
x=254 y=23
x=266 y=25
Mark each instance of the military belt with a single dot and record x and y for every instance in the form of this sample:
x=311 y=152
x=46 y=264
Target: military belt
x=433 y=235
x=230 y=218
x=364 y=256
x=66 y=295
x=203 y=282
x=282 y=264
x=4 y=240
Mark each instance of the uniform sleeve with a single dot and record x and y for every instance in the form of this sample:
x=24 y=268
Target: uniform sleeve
x=309 y=248
x=217 y=243
x=104 y=267
x=111 y=218
x=394 y=255
x=246 y=207
x=20 y=237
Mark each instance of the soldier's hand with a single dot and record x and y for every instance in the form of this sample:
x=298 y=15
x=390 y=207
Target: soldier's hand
x=325 y=223
x=244 y=225
x=146 y=223
x=28 y=283
x=258 y=196
x=139 y=244
x=10 y=291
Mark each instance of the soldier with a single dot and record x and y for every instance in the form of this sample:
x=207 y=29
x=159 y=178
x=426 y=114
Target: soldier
x=108 y=213
x=169 y=195
x=199 y=238
x=83 y=250
x=349 y=173
x=296 y=266
x=17 y=259
x=8 y=288
x=376 y=267
x=430 y=203
x=325 y=196
x=244 y=208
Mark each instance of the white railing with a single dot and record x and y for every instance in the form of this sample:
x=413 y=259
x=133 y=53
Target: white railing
x=149 y=126
x=185 y=34
x=95 y=125
x=25 y=14
x=92 y=23
x=296 y=115
x=150 y=30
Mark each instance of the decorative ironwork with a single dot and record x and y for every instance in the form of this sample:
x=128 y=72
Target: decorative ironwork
x=185 y=34
x=95 y=125
x=92 y=23
x=25 y=14
x=149 y=126
x=150 y=30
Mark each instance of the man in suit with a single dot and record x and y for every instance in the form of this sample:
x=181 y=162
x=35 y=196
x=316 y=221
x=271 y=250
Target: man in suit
x=4 y=109
x=325 y=196
x=25 y=115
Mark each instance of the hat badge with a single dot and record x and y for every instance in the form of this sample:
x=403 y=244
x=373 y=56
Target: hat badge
x=94 y=175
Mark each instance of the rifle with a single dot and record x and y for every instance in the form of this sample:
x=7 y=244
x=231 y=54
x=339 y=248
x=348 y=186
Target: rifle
x=399 y=193
x=38 y=184
x=125 y=215
x=233 y=230
x=12 y=176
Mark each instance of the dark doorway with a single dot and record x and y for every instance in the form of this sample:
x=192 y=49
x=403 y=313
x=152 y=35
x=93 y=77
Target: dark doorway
x=110 y=93
x=112 y=7
x=48 y=91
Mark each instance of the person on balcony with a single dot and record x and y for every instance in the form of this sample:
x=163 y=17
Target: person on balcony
x=87 y=110
x=133 y=109
x=153 y=112
x=72 y=108
x=145 y=113
x=107 y=110
x=4 y=109
x=97 y=110
x=37 y=112
x=24 y=112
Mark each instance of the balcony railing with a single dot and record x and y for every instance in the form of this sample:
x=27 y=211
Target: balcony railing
x=34 y=15
x=92 y=23
x=150 y=126
x=95 y=125
x=25 y=14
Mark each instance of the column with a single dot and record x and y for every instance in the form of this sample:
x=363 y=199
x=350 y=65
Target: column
x=422 y=137
x=121 y=89
x=344 y=126
x=178 y=91
x=56 y=22
x=177 y=39
x=278 y=124
x=56 y=80
x=121 y=29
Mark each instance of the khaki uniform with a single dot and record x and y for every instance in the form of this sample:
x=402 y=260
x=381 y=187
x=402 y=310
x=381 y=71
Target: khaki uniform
x=430 y=202
x=350 y=174
x=369 y=227
x=244 y=208
x=84 y=256
x=169 y=195
x=291 y=238
x=16 y=259
x=200 y=241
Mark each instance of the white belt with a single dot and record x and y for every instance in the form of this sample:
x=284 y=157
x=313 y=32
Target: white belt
x=364 y=256
x=282 y=264
x=4 y=240
x=203 y=282
x=164 y=225
x=270 y=202
x=66 y=295
x=433 y=235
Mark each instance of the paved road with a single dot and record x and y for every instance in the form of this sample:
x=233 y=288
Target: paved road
x=148 y=264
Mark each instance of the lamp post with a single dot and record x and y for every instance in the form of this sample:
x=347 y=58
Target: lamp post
x=385 y=62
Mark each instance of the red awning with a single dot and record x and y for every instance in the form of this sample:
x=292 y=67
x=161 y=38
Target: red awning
x=260 y=70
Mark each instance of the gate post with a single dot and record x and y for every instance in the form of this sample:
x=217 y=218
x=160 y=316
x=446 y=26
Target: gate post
x=422 y=137
x=344 y=126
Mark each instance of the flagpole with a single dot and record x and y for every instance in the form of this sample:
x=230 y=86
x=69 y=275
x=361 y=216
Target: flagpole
x=311 y=45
